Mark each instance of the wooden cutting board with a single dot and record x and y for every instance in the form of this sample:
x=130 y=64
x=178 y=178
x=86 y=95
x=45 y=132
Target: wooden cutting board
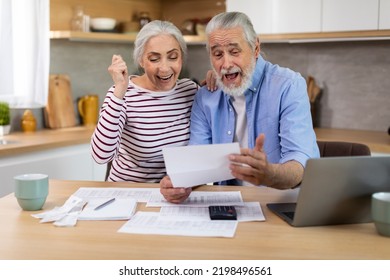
x=60 y=111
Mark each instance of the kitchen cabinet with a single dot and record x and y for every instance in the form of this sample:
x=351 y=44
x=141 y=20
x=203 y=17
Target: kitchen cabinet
x=291 y=21
x=294 y=21
x=280 y=16
x=65 y=163
x=259 y=11
x=343 y=15
x=384 y=14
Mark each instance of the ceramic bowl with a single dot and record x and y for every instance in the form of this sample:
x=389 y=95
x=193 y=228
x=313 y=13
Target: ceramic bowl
x=103 y=23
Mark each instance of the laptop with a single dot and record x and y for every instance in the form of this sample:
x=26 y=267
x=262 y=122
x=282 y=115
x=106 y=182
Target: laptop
x=336 y=190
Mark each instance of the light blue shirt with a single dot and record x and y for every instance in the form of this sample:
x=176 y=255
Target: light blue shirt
x=277 y=105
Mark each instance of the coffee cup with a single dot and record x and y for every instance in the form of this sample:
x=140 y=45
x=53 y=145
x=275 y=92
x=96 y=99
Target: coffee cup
x=31 y=190
x=380 y=211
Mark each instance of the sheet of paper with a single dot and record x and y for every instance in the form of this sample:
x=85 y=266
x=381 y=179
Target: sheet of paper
x=189 y=166
x=149 y=223
x=72 y=204
x=69 y=220
x=140 y=194
x=250 y=211
x=120 y=209
x=200 y=199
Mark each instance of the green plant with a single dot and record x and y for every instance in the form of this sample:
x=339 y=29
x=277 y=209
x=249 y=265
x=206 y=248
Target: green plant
x=5 y=118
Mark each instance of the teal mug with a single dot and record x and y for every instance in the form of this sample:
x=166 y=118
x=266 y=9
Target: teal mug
x=380 y=212
x=31 y=190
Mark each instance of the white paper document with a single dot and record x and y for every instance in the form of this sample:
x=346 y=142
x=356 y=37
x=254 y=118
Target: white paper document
x=120 y=209
x=149 y=223
x=140 y=194
x=250 y=211
x=189 y=166
x=65 y=215
x=200 y=199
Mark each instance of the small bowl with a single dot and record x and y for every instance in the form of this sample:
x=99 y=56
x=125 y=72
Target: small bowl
x=103 y=23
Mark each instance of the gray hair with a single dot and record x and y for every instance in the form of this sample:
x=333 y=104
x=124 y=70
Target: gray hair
x=155 y=28
x=230 y=20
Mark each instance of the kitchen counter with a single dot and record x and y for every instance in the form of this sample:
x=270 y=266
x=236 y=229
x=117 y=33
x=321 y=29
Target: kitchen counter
x=19 y=142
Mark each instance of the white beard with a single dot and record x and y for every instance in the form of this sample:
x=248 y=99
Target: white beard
x=246 y=79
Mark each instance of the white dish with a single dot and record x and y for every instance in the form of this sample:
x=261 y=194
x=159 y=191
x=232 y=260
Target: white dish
x=103 y=23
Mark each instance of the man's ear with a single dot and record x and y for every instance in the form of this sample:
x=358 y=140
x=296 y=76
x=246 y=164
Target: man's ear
x=257 y=48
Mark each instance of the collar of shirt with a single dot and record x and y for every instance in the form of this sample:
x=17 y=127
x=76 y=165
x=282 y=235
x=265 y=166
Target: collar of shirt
x=258 y=75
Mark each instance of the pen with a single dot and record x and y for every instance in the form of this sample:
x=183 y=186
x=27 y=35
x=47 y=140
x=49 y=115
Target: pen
x=104 y=204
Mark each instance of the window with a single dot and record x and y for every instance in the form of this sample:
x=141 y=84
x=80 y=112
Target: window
x=24 y=52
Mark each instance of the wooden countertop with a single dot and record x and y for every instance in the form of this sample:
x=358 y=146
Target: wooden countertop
x=19 y=142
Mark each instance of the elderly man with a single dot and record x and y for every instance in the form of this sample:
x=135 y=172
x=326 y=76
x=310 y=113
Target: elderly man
x=262 y=106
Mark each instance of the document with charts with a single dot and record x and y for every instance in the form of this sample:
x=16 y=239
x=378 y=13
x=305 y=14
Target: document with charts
x=248 y=212
x=200 y=199
x=140 y=194
x=149 y=223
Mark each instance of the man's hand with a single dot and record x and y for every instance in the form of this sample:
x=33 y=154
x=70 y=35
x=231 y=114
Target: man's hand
x=252 y=166
x=171 y=194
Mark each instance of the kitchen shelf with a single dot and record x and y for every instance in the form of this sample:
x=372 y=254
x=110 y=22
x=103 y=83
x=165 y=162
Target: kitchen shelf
x=265 y=38
x=111 y=37
x=326 y=36
x=93 y=36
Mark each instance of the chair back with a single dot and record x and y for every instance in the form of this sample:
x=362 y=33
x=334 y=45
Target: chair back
x=340 y=149
x=108 y=170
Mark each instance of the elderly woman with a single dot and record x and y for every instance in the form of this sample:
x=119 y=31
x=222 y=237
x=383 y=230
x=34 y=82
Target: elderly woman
x=142 y=114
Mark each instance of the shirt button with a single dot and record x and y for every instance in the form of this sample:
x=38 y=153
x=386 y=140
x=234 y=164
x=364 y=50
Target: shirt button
x=229 y=132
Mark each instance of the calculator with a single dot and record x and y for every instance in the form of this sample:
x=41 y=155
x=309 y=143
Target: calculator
x=222 y=212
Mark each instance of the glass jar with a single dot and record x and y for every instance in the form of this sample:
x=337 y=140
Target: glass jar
x=143 y=19
x=77 y=22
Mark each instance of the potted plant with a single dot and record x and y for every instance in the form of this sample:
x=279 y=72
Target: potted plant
x=5 y=118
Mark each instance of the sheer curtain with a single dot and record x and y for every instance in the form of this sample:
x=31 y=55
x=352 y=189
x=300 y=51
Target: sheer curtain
x=24 y=52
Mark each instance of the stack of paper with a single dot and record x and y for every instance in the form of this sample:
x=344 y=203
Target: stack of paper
x=149 y=223
x=248 y=212
x=190 y=218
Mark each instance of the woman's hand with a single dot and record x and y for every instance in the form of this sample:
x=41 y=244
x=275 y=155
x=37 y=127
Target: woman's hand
x=119 y=74
x=210 y=81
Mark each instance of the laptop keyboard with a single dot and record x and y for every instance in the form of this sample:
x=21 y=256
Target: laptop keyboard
x=289 y=214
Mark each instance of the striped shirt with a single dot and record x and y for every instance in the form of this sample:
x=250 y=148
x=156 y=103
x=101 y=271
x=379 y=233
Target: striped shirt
x=132 y=131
